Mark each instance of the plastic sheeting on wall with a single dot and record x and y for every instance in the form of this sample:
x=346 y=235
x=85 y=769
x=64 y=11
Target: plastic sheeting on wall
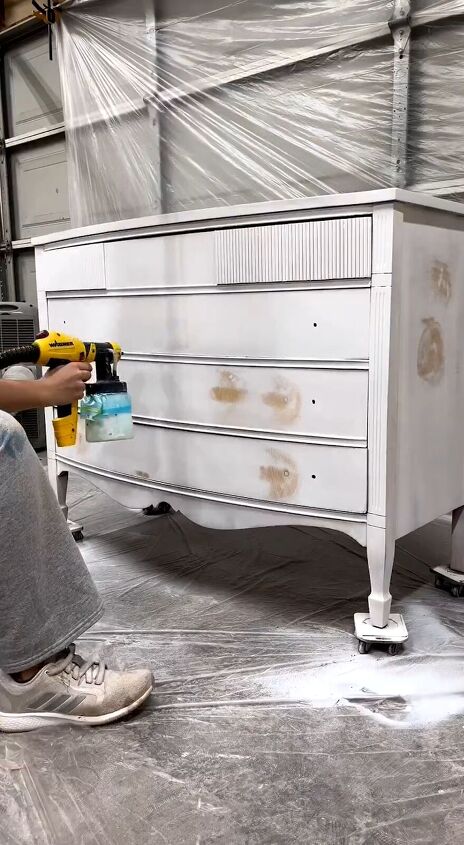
x=436 y=125
x=219 y=103
x=107 y=69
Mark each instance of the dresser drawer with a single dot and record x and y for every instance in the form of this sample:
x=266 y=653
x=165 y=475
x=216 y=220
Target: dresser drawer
x=307 y=251
x=163 y=261
x=285 y=325
x=319 y=402
x=329 y=477
x=87 y=262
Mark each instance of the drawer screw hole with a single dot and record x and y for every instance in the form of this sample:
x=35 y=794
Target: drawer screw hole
x=314 y=401
x=315 y=325
x=313 y=476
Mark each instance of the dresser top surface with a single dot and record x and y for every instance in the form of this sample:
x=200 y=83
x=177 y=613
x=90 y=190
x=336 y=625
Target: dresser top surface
x=253 y=213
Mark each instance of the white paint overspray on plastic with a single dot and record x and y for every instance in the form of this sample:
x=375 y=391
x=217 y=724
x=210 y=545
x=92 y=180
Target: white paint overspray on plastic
x=418 y=689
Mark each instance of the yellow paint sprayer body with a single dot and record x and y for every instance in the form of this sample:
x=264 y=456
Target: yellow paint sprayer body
x=107 y=406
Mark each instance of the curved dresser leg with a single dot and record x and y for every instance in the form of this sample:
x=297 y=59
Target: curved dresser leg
x=380 y=555
x=61 y=490
x=62 y=479
x=380 y=627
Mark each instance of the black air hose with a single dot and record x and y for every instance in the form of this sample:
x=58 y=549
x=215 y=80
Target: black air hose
x=20 y=355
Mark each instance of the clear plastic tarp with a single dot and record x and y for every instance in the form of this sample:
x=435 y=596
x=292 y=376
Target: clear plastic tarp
x=184 y=104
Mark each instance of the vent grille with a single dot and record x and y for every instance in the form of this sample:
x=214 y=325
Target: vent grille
x=18 y=327
x=16 y=332
x=30 y=422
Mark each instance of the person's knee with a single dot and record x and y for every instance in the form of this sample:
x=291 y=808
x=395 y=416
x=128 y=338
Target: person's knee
x=12 y=436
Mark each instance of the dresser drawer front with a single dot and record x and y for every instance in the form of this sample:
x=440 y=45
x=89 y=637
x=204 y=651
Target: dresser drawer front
x=327 y=477
x=315 y=402
x=87 y=263
x=286 y=325
x=163 y=261
x=310 y=251
x=315 y=250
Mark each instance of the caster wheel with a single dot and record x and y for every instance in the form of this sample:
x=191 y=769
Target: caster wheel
x=78 y=536
x=394 y=649
x=164 y=507
x=439 y=582
x=364 y=648
x=456 y=591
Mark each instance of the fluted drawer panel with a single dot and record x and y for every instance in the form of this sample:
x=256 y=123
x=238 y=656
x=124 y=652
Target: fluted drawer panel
x=314 y=250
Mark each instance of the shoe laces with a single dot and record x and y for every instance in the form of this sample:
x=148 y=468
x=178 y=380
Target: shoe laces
x=92 y=671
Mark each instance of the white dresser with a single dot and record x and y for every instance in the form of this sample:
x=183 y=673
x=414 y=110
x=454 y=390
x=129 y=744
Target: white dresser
x=289 y=363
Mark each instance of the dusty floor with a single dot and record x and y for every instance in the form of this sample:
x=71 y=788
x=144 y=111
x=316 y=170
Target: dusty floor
x=267 y=726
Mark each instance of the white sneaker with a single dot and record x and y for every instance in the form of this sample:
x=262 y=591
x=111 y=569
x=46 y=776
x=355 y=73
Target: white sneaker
x=71 y=690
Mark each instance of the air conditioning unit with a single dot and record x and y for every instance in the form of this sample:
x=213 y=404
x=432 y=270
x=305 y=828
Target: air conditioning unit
x=19 y=325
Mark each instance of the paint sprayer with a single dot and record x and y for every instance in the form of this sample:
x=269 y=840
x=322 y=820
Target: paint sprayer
x=106 y=408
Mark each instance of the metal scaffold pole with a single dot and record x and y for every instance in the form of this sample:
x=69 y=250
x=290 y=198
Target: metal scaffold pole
x=400 y=27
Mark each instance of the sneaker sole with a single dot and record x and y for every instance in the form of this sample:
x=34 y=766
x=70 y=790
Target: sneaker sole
x=16 y=722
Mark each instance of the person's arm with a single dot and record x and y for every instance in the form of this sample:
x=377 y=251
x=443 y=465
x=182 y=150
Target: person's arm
x=62 y=386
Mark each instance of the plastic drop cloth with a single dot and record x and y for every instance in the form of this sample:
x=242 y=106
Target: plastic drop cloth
x=266 y=727
x=183 y=104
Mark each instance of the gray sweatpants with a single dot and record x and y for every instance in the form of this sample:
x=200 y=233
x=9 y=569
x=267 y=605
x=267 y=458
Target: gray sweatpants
x=47 y=597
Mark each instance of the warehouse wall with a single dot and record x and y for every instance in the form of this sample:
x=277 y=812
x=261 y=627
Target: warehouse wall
x=35 y=154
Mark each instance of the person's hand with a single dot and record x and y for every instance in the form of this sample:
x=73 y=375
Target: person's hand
x=65 y=385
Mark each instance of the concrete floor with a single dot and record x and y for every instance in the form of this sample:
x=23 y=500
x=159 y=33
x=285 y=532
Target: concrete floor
x=267 y=727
